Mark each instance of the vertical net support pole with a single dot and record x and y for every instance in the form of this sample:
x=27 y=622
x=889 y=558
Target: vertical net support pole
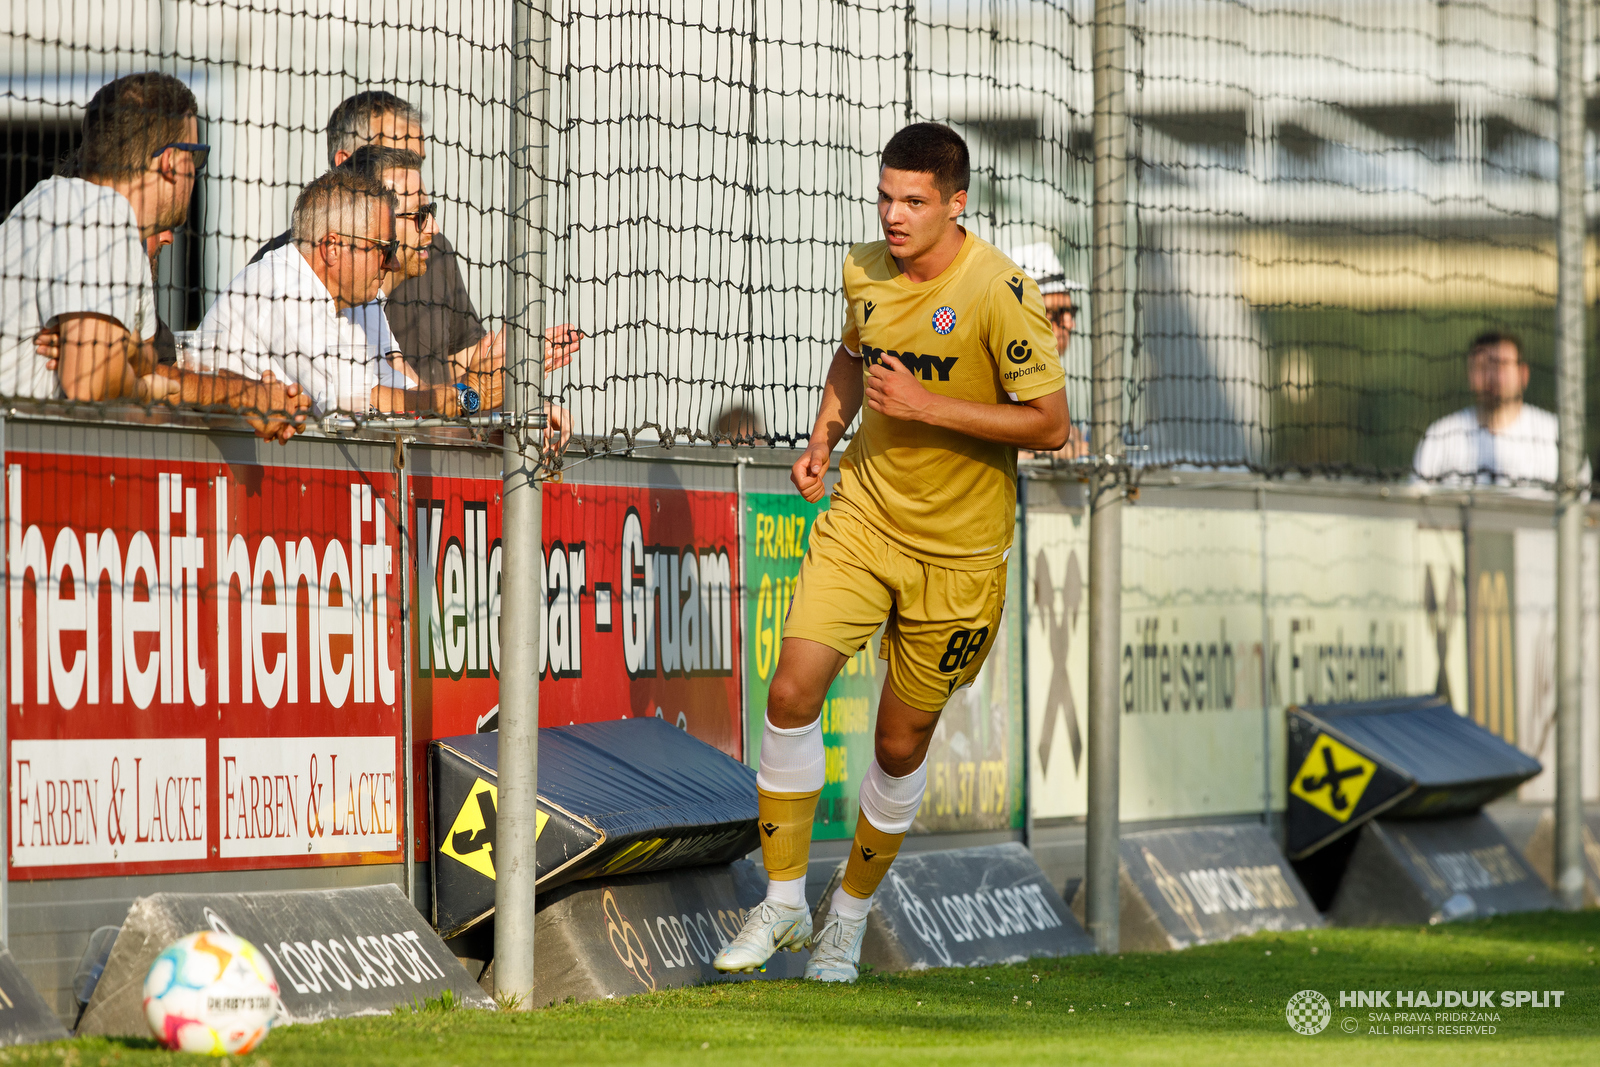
x=522 y=512
x=1570 y=414
x=408 y=737
x=1109 y=345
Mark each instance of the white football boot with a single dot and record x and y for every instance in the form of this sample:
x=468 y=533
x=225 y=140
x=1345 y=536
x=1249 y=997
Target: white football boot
x=836 y=951
x=771 y=927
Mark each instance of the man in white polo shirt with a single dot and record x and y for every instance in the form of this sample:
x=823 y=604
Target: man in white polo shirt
x=75 y=269
x=284 y=313
x=1499 y=440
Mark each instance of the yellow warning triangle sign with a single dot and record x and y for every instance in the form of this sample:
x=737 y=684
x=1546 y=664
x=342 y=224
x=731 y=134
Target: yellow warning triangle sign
x=1332 y=778
x=472 y=835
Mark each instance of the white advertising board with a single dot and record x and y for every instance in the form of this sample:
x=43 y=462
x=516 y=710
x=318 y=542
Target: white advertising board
x=1348 y=604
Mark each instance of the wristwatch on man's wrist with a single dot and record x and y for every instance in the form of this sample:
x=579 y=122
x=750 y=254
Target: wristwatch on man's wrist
x=468 y=398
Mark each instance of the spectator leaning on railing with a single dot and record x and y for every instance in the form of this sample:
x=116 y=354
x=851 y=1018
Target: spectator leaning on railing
x=283 y=314
x=75 y=264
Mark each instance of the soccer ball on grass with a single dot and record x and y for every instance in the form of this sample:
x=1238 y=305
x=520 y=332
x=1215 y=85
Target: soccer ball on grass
x=210 y=993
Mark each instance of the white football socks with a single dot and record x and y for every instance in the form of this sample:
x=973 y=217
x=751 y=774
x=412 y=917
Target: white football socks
x=792 y=761
x=891 y=804
x=848 y=907
x=787 y=891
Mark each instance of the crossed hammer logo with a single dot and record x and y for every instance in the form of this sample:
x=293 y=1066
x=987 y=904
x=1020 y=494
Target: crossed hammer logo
x=1058 y=702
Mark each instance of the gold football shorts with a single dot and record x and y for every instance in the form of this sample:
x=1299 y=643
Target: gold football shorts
x=942 y=622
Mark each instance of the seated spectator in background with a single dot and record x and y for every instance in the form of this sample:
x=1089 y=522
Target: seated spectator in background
x=1061 y=307
x=75 y=263
x=1499 y=440
x=400 y=171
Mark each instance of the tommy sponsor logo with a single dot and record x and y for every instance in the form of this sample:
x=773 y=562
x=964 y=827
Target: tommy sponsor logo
x=924 y=365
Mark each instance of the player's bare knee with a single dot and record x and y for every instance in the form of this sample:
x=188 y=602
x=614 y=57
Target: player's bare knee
x=901 y=752
x=791 y=704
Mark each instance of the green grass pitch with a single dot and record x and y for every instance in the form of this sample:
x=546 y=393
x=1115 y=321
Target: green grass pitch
x=1221 y=1004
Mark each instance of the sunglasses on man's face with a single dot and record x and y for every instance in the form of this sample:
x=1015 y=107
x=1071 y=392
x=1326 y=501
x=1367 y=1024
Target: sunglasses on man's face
x=390 y=249
x=197 y=152
x=419 y=218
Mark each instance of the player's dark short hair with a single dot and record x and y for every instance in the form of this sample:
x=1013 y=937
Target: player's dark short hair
x=374 y=160
x=931 y=148
x=129 y=120
x=350 y=125
x=1494 y=338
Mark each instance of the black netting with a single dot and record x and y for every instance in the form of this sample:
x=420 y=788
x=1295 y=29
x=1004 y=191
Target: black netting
x=1329 y=201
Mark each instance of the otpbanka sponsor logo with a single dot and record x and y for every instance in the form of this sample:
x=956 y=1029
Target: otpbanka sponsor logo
x=1416 y=1013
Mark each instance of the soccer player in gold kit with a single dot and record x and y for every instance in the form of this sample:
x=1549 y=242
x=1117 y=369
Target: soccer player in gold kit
x=950 y=360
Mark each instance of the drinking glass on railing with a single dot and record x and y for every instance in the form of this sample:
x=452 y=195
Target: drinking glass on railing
x=197 y=350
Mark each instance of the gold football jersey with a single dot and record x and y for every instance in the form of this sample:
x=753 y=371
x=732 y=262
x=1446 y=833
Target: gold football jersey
x=978 y=332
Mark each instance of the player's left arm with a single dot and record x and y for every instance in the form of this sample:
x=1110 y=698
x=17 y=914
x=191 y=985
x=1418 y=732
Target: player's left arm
x=1019 y=339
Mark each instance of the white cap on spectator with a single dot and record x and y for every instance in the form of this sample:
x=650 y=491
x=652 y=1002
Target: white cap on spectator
x=1040 y=262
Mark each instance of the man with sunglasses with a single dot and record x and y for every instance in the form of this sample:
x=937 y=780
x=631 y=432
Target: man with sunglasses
x=286 y=313
x=400 y=171
x=75 y=266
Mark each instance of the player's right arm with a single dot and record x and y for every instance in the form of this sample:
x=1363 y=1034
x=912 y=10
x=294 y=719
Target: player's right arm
x=841 y=401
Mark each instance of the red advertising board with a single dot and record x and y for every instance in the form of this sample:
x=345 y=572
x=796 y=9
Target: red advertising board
x=639 y=607
x=203 y=666
x=204 y=661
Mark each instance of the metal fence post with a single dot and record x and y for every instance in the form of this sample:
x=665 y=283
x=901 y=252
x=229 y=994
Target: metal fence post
x=1266 y=665
x=1108 y=344
x=408 y=737
x=1569 y=411
x=521 y=515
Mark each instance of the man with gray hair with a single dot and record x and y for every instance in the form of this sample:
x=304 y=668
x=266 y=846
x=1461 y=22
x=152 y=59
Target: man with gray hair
x=432 y=315
x=284 y=313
